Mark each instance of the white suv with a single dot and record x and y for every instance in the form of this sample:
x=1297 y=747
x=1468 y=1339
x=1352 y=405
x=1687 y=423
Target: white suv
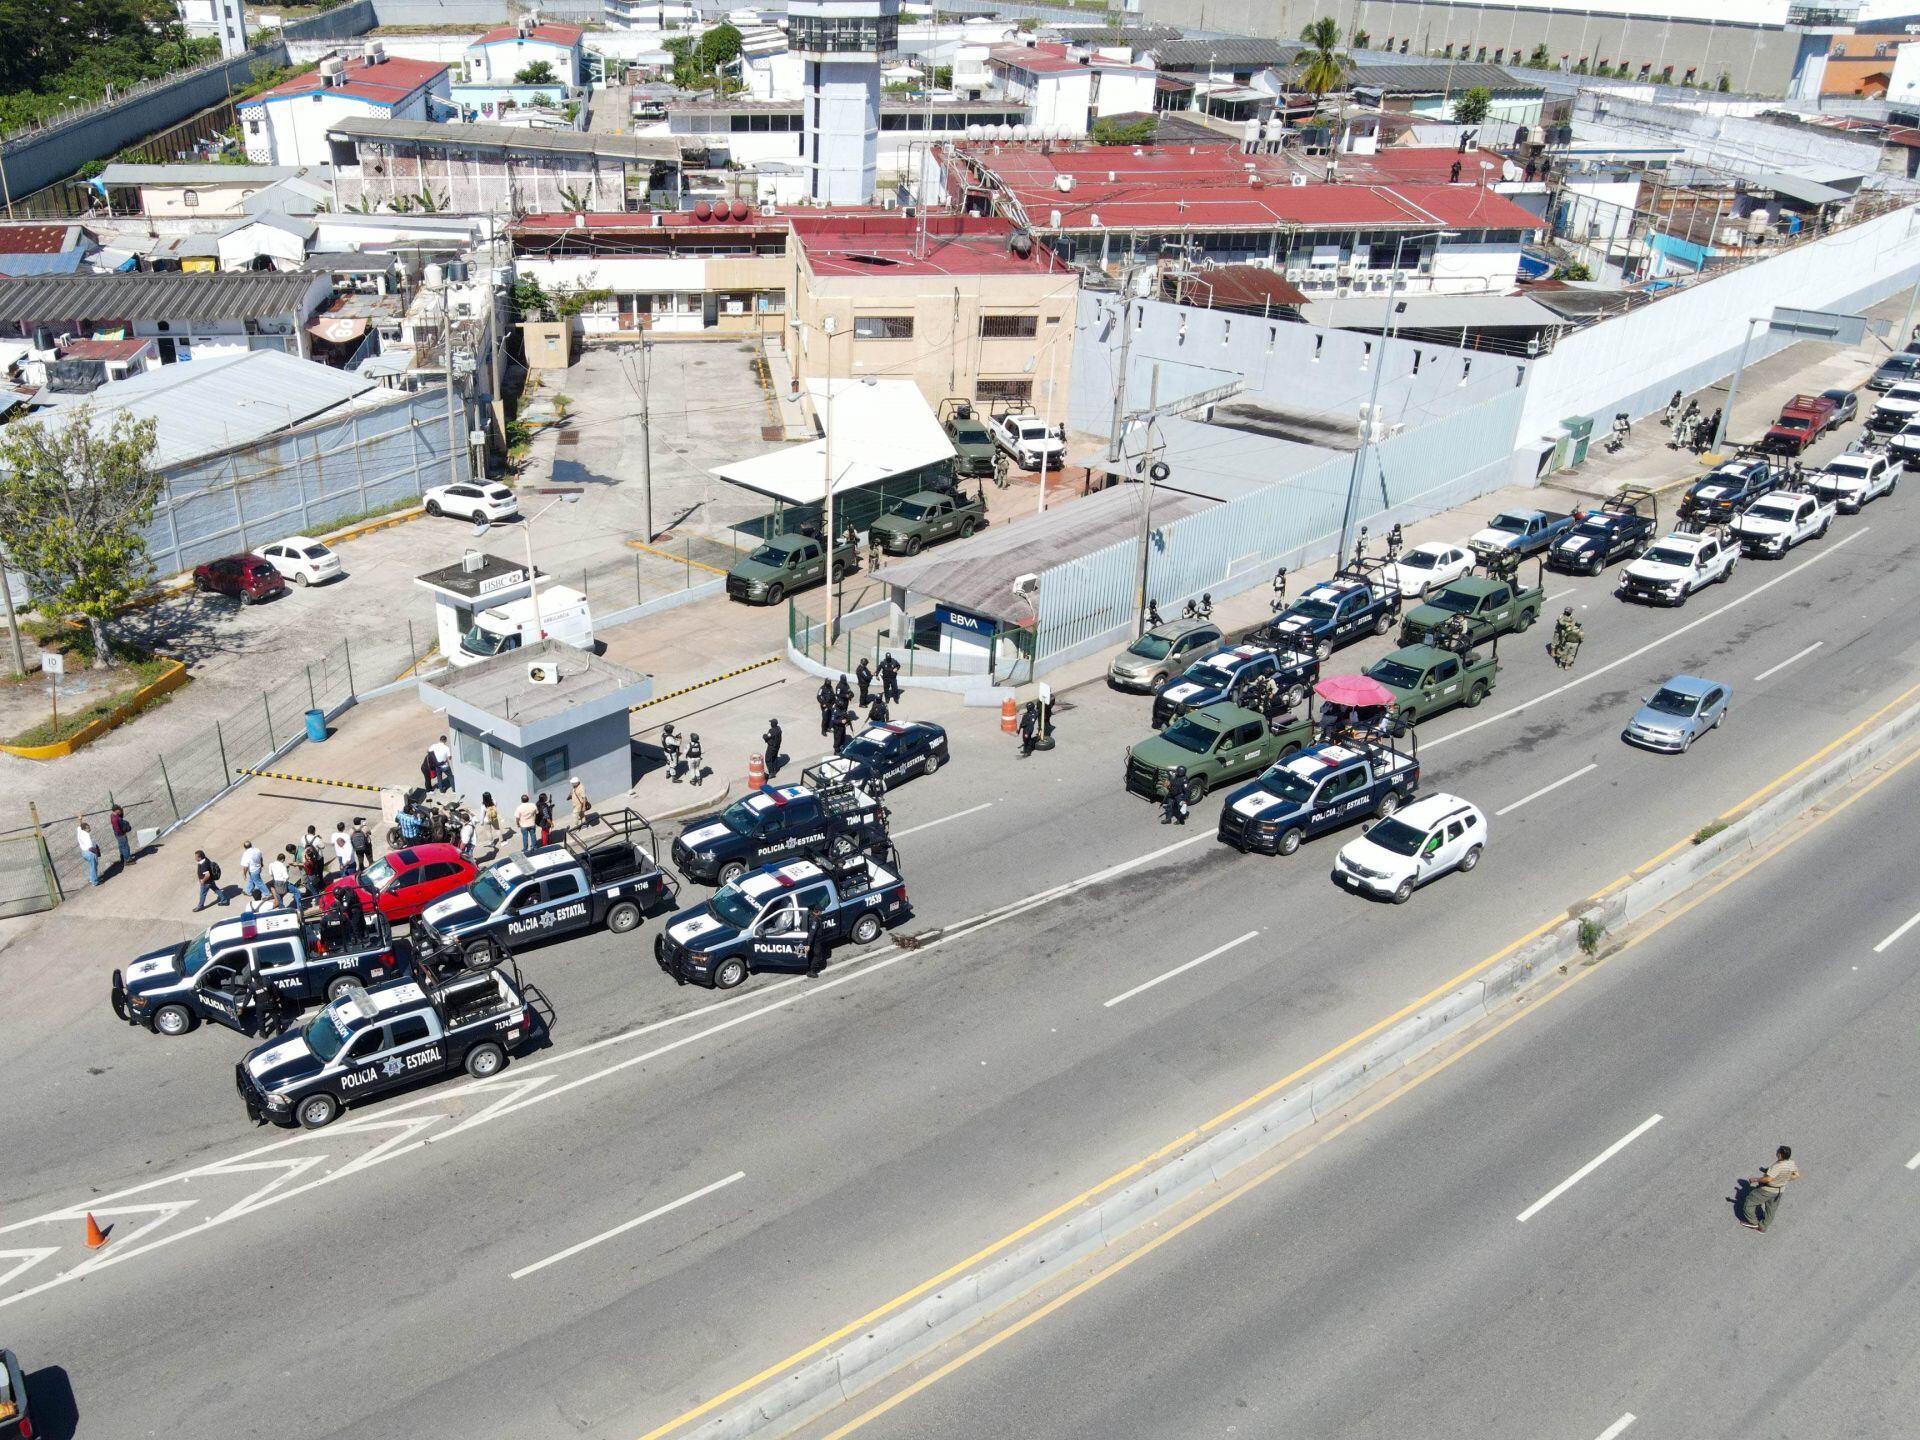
x=482 y=504
x=1675 y=567
x=1404 y=851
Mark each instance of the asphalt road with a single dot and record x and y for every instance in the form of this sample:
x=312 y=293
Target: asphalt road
x=1456 y=1264
x=882 y=1123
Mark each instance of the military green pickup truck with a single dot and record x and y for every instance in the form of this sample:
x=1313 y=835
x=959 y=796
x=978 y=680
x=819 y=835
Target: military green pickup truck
x=1486 y=607
x=1215 y=743
x=970 y=437
x=1425 y=679
x=786 y=563
x=926 y=517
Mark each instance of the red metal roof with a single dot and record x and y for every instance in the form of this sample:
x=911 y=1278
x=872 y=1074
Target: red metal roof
x=33 y=239
x=552 y=33
x=882 y=243
x=387 y=83
x=1036 y=59
x=103 y=349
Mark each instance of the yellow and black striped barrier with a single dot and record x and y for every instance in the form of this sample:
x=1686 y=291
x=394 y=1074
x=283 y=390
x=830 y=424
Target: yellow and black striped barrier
x=310 y=779
x=702 y=684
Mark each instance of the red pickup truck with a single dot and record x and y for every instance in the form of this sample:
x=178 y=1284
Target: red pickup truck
x=1803 y=419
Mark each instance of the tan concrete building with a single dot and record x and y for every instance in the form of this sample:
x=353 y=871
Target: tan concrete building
x=973 y=308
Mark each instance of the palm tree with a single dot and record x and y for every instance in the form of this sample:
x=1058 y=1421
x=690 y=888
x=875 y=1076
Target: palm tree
x=1323 y=64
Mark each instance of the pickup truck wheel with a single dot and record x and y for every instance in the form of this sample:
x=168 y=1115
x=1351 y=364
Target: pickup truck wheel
x=1525 y=622
x=1476 y=692
x=341 y=984
x=914 y=544
x=776 y=592
x=1389 y=803
x=866 y=930
x=1290 y=839
x=317 y=1111
x=729 y=973
x=624 y=916
x=1404 y=893
x=478 y=955
x=1470 y=859
x=173 y=1020
x=969 y=528
x=1323 y=650
x=1727 y=574
x=1293 y=697
x=1384 y=623
x=486 y=1060
x=1821 y=533
x=731 y=871
x=1196 y=789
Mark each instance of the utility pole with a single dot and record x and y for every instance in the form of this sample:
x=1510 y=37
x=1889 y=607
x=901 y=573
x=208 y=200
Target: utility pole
x=454 y=444
x=646 y=433
x=827 y=536
x=1733 y=388
x=1120 y=382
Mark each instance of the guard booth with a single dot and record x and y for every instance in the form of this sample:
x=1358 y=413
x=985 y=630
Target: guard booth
x=478 y=582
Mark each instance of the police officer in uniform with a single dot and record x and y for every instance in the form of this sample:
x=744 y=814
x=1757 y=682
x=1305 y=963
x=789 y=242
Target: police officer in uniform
x=863 y=676
x=824 y=698
x=1567 y=636
x=877 y=712
x=1174 y=807
x=772 y=741
x=890 y=679
x=696 y=770
x=1029 y=728
x=840 y=724
x=843 y=692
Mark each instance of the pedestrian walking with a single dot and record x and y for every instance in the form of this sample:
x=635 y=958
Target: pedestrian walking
x=466 y=838
x=842 y=722
x=429 y=771
x=442 y=762
x=207 y=872
x=1173 y=809
x=696 y=769
x=772 y=741
x=843 y=692
x=526 y=816
x=877 y=712
x=1761 y=1199
x=824 y=698
x=578 y=803
x=343 y=849
x=362 y=843
x=252 y=867
x=280 y=878
x=313 y=867
x=89 y=850
x=490 y=815
x=890 y=679
x=863 y=674
x=543 y=810
x=670 y=747
x=122 y=835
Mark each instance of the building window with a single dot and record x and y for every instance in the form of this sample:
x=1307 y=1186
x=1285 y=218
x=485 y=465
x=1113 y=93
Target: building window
x=827 y=35
x=1009 y=327
x=883 y=327
x=550 y=767
x=189 y=198
x=470 y=752
x=1011 y=390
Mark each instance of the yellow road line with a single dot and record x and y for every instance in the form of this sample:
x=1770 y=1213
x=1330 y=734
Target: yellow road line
x=432 y=650
x=1115 y=1267
x=676 y=559
x=308 y=779
x=1066 y=1207
x=702 y=684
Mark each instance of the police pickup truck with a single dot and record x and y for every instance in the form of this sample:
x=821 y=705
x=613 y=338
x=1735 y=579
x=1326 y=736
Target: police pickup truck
x=602 y=875
x=1357 y=602
x=1426 y=679
x=223 y=975
x=1322 y=788
x=1621 y=529
x=1225 y=674
x=1213 y=744
x=768 y=920
x=369 y=1042
x=779 y=822
x=1476 y=605
x=1774 y=524
x=890 y=753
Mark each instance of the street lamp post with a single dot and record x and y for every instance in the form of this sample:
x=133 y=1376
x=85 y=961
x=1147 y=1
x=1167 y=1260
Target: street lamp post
x=560 y=497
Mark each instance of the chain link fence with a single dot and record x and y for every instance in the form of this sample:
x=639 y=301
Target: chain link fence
x=39 y=862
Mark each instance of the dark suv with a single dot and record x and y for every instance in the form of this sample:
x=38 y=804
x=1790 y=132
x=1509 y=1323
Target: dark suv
x=246 y=577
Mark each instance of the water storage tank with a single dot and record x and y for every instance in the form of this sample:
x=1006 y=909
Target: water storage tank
x=740 y=209
x=703 y=211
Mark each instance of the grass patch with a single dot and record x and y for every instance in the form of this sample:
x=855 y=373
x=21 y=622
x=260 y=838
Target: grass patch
x=379 y=512
x=1707 y=832
x=1592 y=932
x=134 y=669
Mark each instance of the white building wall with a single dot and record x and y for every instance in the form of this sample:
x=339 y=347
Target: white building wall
x=1064 y=101
x=1123 y=92
x=503 y=59
x=843 y=147
x=230 y=24
x=292 y=130
x=1903 y=86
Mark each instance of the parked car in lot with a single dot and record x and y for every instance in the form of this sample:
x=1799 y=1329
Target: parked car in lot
x=1520 y=532
x=1846 y=405
x=1414 y=847
x=480 y=503
x=1428 y=567
x=301 y=559
x=1897 y=408
x=1677 y=714
x=247 y=578
x=1676 y=567
x=1162 y=653
x=1903 y=445
x=1849 y=481
x=786 y=563
x=1893 y=370
x=970 y=438
x=927 y=517
x=1803 y=420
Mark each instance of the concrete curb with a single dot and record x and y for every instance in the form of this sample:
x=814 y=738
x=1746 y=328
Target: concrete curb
x=839 y=1373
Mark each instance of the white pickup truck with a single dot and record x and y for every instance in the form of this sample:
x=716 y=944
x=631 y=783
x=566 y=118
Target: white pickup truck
x=1028 y=439
x=1851 y=480
x=1774 y=524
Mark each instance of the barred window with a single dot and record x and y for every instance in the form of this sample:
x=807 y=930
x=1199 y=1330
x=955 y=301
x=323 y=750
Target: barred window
x=1014 y=390
x=883 y=327
x=1008 y=327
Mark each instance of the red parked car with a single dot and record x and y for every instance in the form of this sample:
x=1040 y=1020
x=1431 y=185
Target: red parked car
x=404 y=882
x=248 y=578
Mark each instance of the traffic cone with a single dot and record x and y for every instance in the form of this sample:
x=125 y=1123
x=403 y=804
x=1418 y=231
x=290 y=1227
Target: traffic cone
x=756 y=772
x=1009 y=715
x=96 y=1237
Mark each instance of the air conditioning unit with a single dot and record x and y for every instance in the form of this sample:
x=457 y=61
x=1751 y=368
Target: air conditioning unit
x=1299 y=180
x=543 y=672
x=1295 y=274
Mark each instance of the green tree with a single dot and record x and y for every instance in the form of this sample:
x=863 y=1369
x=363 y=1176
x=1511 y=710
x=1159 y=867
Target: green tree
x=1724 y=84
x=540 y=72
x=1323 y=64
x=1110 y=130
x=1472 y=107
x=1541 y=58
x=73 y=503
x=719 y=46
x=1362 y=38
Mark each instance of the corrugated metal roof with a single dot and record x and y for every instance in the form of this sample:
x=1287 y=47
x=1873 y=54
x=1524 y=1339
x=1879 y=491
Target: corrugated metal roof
x=1429 y=312
x=1228 y=53
x=152 y=295
x=1807 y=192
x=200 y=407
x=196 y=174
x=507 y=137
x=1437 y=79
x=65 y=263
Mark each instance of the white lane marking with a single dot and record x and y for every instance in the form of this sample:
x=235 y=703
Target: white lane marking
x=1654 y=644
x=1178 y=970
x=1618 y=1427
x=915 y=830
x=1557 y=595
x=632 y=1224
x=1587 y=1169
x=1798 y=655
x=1547 y=789
x=1891 y=939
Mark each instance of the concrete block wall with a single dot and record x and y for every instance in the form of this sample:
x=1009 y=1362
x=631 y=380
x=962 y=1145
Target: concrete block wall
x=484 y=12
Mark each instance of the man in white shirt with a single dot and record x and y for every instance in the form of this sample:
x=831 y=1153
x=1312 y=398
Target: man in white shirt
x=343 y=850
x=281 y=877
x=89 y=851
x=442 y=763
x=251 y=862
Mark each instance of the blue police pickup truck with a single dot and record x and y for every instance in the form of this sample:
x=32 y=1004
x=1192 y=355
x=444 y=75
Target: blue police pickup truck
x=1319 y=789
x=768 y=920
x=773 y=824
x=1355 y=603
x=1225 y=674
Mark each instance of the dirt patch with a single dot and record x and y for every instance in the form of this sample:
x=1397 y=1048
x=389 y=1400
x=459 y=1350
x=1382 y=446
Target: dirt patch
x=85 y=694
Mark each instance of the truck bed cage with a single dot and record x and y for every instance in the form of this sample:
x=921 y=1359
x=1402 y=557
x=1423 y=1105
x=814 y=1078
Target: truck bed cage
x=1628 y=499
x=624 y=826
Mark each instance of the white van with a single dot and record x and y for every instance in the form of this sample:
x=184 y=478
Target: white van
x=563 y=616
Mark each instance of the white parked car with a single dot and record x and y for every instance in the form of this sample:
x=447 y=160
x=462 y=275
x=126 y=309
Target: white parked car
x=1851 y=480
x=1417 y=844
x=1774 y=524
x=301 y=559
x=1428 y=567
x=475 y=502
x=1673 y=568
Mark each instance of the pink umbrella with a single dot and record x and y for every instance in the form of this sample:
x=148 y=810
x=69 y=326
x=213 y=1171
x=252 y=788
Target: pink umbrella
x=1360 y=692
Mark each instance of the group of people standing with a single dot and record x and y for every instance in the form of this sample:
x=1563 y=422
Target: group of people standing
x=293 y=875
x=836 y=702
